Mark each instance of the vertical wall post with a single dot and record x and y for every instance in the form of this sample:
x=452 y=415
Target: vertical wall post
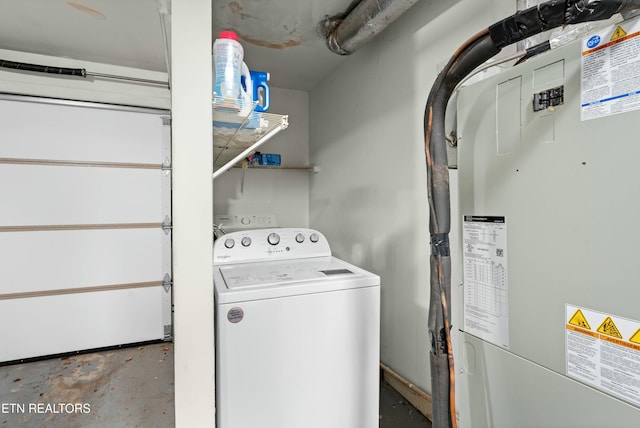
x=192 y=213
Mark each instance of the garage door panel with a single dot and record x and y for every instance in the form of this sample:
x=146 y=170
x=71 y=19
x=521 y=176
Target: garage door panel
x=56 y=324
x=39 y=194
x=58 y=260
x=80 y=133
x=85 y=228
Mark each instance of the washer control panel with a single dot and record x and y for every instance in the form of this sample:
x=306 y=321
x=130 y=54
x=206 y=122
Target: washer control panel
x=269 y=244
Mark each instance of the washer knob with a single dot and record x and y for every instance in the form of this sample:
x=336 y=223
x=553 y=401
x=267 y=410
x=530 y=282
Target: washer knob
x=273 y=238
x=299 y=238
x=314 y=237
x=246 y=241
x=229 y=243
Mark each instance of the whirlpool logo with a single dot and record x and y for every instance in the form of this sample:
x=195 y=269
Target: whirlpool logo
x=593 y=42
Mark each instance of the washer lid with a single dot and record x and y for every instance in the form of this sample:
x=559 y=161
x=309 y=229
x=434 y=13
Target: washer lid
x=272 y=273
x=266 y=280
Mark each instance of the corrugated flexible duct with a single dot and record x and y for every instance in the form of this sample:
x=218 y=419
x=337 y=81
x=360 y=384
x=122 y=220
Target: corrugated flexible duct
x=344 y=35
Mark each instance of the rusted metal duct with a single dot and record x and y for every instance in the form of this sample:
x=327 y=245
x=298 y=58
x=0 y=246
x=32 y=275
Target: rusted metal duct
x=345 y=34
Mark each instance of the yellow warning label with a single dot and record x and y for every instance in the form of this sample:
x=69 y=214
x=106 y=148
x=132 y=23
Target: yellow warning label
x=609 y=328
x=636 y=337
x=618 y=33
x=579 y=320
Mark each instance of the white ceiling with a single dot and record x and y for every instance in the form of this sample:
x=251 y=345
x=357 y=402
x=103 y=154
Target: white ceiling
x=120 y=32
x=279 y=36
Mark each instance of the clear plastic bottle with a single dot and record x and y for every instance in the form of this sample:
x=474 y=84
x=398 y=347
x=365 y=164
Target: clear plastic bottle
x=227 y=63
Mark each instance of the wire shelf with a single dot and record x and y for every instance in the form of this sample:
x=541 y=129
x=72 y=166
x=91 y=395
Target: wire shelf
x=239 y=130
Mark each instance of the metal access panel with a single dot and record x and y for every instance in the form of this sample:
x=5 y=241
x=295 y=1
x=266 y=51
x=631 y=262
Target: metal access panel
x=549 y=245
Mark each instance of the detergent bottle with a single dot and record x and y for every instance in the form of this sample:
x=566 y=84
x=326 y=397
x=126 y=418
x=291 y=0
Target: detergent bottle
x=260 y=94
x=227 y=64
x=246 y=91
x=256 y=88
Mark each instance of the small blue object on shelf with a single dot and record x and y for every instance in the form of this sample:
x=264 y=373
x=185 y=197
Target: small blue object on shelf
x=264 y=159
x=270 y=159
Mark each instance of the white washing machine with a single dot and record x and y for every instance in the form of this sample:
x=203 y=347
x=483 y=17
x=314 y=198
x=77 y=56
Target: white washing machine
x=297 y=333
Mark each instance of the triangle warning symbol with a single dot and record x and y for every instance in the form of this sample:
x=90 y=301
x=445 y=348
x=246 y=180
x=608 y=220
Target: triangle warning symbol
x=618 y=33
x=636 y=337
x=579 y=320
x=609 y=328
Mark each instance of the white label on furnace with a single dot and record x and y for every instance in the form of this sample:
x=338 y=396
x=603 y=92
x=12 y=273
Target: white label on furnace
x=603 y=351
x=611 y=71
x=486 y=312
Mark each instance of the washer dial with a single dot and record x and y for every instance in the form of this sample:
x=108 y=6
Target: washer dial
x=273 y=238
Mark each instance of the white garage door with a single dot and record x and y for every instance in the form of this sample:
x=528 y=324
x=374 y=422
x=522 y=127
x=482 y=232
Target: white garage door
x=85 y=236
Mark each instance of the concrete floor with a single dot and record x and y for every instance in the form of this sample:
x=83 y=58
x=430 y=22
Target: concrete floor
x=128 y=387
x=396 y=412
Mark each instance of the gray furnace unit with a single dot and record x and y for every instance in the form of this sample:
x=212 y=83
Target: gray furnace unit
x=548 y=319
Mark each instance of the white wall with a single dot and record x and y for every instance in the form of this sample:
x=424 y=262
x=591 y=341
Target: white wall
x=282 y=193
x=366 y=136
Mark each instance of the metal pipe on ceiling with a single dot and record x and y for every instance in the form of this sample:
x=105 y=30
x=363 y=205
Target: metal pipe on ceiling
x=345 y=34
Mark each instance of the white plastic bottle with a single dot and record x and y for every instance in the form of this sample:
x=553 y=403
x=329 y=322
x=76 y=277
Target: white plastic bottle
x=227 y=63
